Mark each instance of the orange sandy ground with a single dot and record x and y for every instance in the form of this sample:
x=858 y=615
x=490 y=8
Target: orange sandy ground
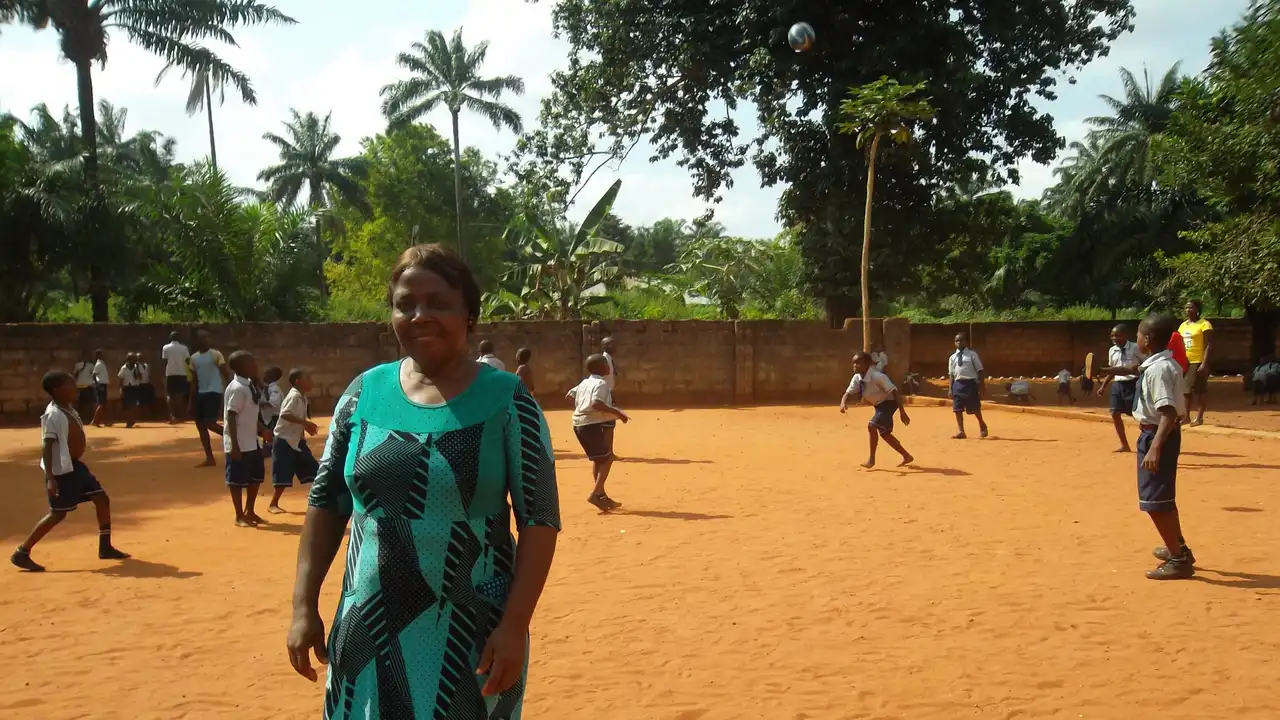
x=757 y=573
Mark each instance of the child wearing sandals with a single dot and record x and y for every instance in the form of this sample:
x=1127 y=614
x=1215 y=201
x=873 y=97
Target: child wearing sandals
x=594 y=418
x=876 y=389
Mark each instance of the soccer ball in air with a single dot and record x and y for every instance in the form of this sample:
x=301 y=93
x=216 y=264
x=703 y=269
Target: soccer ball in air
x=800 y=36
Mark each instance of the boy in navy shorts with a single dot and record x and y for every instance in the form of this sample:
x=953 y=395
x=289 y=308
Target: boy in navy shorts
x=290 y=455
x=968 y=381
x=67 y=481
x=874 y=387
x=1158 y=406
x=1122 y=374
x=242 y=428
x=594 y=418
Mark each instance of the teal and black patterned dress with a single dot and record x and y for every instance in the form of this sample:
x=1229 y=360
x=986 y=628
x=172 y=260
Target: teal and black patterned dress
x=431 y=556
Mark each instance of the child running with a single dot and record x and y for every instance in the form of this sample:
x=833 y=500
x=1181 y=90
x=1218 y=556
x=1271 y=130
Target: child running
x=1121 y=373
x=208 y=372
x=240 y=439
x=876 y=389
x=594 y=418
x=67 y=481
x=968 y=381
x=272 y=396
x=1159 y=404
x=290 y=455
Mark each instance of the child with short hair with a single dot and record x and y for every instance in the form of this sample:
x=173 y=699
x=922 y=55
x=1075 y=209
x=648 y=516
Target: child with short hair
x=130 y=388
x=594 y=419
x=1158 y=406
x=87 y=399
x=1064 y=387
x=67 y=481
x=1121 y=372
x=523 y=370
x=968 y=382
x=101 y=381
x=877 y=390
x=242 y=430
x=272 y=396
x=290 y=455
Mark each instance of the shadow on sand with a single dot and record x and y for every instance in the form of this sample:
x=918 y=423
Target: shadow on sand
x=1245 y=581
x=138 y=568
x=669 y=514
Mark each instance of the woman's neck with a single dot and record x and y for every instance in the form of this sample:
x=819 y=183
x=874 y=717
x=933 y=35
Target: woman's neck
x=446 y=379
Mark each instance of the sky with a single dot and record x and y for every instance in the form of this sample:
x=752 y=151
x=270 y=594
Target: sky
x=332 y=62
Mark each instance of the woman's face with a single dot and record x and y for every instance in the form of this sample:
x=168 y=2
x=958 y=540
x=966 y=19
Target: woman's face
x=429 y=318
x=1193 y=312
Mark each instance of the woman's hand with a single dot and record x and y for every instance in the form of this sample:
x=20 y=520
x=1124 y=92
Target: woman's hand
x=503 y=658
x=305 y=635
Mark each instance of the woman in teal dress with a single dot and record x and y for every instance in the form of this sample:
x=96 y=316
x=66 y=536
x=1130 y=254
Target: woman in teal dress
x=422 y=457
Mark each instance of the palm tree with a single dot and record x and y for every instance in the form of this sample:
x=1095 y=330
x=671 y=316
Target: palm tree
x=877 y=110
x=174 y=31
x=1126 y=134
x=448 y=73
x=200 y=97
x=306 y=158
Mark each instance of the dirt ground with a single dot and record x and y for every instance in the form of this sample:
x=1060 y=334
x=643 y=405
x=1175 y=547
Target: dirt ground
x=756 y=573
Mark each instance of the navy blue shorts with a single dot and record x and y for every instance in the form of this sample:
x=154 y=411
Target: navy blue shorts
x=130 y=396
x=1157 y=490
x=88 y=397
x=287 y=462
x=882 y=420
x=597 y=439
x=250 y=469
x=74 y=488
x=176 y=385
x=964 y=396
x=147 y=394
x=1123 y=393
x=100 y=394
x=208 y=407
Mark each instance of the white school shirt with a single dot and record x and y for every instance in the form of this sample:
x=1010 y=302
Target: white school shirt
x=83 y=371
x=612 y=378
x=1119 y=356
x=492 y=361
x=875 y=388
x=1159 y=386
x=238 y=398
x=1020 y=387
x=129 y=376
x=144 y=373
x=964 y=365
x=175 y=356
x=55 y=426
x=585 y=394
x=1064 y=377
x=101 y=375
x=880 y=360
x=295 y=404
x=271 y=400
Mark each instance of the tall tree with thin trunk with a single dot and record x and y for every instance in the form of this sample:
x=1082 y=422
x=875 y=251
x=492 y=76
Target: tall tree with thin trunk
x=877 y=110
x=175 y=31
x=447 y=73
x=200 y=97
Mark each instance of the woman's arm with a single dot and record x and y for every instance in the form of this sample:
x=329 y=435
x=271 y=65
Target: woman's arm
x=1208 y=350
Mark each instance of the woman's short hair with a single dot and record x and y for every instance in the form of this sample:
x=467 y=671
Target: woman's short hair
x=443 y=262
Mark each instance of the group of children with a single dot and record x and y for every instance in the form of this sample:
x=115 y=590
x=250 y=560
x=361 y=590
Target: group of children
x=92 y=380
x=1147 y=381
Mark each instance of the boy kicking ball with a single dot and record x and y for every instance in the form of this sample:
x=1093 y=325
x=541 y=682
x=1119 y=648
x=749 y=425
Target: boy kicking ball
x=876 y=389
x=67 y=481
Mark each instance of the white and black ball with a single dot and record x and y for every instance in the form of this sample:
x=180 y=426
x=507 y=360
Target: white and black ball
x=801 y=37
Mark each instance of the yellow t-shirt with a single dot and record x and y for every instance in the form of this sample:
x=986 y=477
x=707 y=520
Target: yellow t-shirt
x=1193 y=337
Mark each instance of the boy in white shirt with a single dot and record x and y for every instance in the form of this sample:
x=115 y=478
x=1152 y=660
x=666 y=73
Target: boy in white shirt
x=67 y=481
x=1159 y=404
x=177 y=386
x=290 y=455
x=968 y=381
x=1122 y=374
x=879 y=358
x=146 y=391
x=272 y=397
x=876 y=389
x=488 y=358
x=101 y=380
x=87 y=400
x=130 y=380
x=594 y=419
x=1064 y=387
x=242 y=428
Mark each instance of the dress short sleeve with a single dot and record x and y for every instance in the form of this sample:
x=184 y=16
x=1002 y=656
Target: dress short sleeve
x=531 y=466
x=329 y=490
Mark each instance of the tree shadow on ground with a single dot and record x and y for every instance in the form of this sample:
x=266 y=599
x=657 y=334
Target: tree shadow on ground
x=1245 y=581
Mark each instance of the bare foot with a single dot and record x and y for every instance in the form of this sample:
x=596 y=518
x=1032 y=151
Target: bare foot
x=208 y=463
x=242 y=522
x=1197 y=422
x=254 y=519
x=1122 y=449
x=275 y=510
x=906 y=460
x=959 y=436
x=869 y=464
x=113 y=554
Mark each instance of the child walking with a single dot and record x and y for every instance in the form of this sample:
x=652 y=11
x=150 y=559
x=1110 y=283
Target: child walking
x=242 y=429
x=67 y=481
x=290 y=455
x=1159 y=404
x=876 y=389
x=968 y=381
x=594 y=419
x=272 y=396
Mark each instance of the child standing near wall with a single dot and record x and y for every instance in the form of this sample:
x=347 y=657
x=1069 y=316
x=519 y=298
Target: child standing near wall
x=272 y=396
x=1064 y=387
x=877 y=390
x=242 y=428
x=594 y=419
x=130 y=388
x=290 y=455
x=968 y=382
